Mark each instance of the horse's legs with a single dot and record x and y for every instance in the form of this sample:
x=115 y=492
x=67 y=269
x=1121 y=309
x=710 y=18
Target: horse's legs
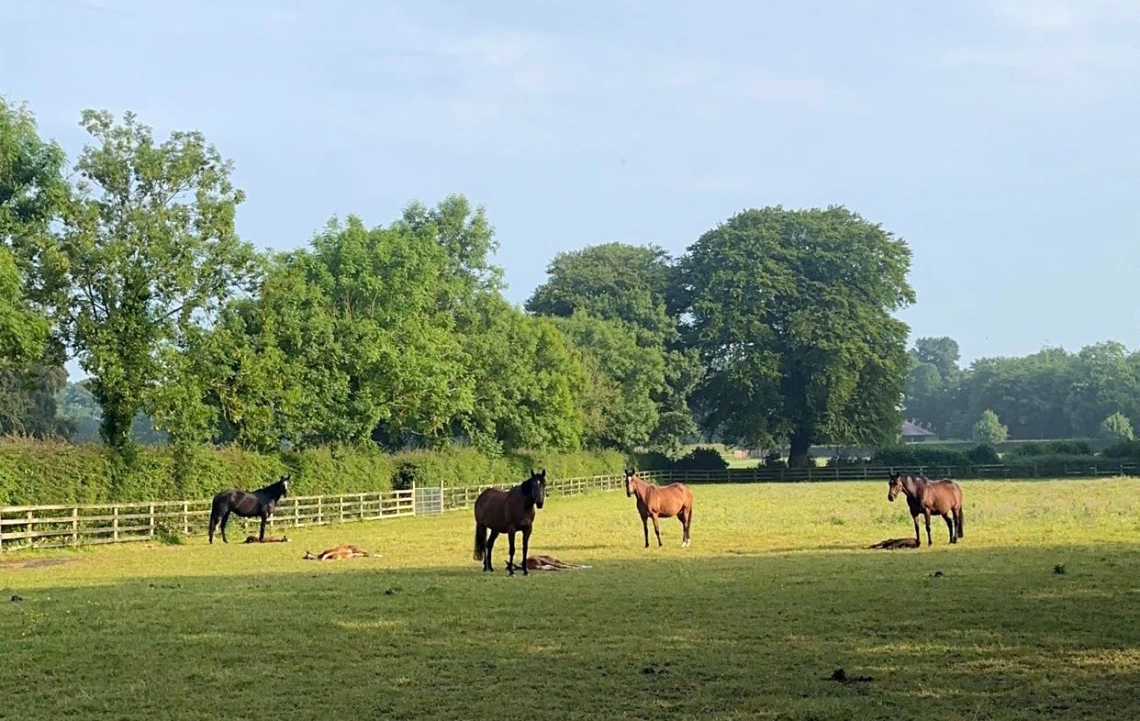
x=490 y=547
x=688 y=525
x=917 y=533
x=261 y=536
x=225 y=520
x=657 y=530
x=683 y=517
x=511 y=551
x=645 y=526
x=929 y=541
x=950 y=524
x=526 y=546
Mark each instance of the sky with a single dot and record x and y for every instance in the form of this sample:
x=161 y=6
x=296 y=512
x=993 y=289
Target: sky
x=997 y=137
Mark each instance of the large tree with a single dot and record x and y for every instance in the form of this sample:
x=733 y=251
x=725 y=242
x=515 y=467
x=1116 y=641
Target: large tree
x=148 y=251
x=527 y=383
x=632 y=286
x=791 y=312
x=32 y=196
x=623 y=376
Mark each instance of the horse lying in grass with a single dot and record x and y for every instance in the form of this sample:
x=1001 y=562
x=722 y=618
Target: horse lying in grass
x=893 y=543
x=261 y=504
x=338 y=553
x=549 y=563
x=267 y=539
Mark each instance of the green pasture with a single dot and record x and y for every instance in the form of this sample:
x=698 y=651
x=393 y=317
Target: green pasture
x=1036 y=614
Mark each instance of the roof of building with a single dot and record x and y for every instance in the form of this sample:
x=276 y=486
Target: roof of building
x=910 y=429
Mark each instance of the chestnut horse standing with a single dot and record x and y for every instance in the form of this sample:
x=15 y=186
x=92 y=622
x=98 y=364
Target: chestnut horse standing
x=507 y=512
x=926 y=497
x=656 y=502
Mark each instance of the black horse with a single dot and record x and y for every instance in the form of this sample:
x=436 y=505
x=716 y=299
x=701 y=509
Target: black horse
x=260 y=503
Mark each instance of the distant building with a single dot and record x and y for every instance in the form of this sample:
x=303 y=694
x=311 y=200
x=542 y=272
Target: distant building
x=913 y=433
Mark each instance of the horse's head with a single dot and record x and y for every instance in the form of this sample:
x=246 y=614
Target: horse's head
x=284 y=485
x=535 y=487
x=895 y=486
x=630 y=474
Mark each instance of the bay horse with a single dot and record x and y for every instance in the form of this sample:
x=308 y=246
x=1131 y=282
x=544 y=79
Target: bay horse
x=656 y=502
x=507 y=512
x=925 y=498
x=261 y=503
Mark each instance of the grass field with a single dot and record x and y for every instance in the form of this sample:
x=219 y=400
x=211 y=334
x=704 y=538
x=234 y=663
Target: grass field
x=775 y=593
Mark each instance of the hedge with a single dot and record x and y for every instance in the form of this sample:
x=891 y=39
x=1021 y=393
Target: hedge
x=33 y=472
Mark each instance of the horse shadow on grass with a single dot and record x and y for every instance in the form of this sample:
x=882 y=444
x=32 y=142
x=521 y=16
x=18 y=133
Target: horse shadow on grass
x=753 y=636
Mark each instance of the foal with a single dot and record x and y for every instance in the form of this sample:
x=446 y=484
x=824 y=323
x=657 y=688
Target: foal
x=508 y=512
x=926 y=497
x=656 y=502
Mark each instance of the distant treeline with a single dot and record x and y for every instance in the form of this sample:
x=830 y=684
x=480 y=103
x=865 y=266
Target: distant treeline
x=1094 y=393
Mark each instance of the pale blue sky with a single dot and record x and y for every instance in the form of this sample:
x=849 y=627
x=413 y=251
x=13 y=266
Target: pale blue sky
x=999 y=137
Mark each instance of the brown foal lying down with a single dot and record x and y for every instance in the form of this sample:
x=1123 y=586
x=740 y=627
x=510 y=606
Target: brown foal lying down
x=549 y=563
x=268 y=539
x=335 y=554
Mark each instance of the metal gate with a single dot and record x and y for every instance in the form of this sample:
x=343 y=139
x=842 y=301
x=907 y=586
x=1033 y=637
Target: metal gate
x=429 y=500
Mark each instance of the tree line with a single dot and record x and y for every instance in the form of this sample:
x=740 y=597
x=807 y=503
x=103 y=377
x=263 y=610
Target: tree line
x=1093 y=393
x=776 y=326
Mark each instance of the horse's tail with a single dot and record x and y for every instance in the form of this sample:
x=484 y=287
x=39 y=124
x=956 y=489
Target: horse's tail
x=958 y=521
x=215 y=515
x=480 y=541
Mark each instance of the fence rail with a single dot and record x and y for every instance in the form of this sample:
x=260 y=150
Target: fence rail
x=59 y=525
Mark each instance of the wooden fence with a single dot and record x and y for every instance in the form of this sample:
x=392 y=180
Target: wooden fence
x=74 y=525
x=54 y=526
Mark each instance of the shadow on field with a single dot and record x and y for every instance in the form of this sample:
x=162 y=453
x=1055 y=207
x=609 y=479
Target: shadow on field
x=998 y=635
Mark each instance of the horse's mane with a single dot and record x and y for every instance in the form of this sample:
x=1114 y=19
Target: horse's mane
x=275 y=485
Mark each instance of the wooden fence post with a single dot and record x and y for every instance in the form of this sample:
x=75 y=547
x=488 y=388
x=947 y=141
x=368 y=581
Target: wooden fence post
x=150 y=531
x=341 y=499
x=115 y=523
x=320 y=510
x=296 y=513
x=186 y=518
x=75 y=526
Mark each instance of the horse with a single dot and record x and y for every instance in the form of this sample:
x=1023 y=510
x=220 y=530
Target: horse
x=338 y=553
x=260 y=503
x=270 y=539
x=656 y=502
x=507 y=512
x=925 y=497
x=893 y=543
x=550 y=563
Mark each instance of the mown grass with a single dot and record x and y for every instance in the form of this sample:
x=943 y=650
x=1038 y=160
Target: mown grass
x=775 y=593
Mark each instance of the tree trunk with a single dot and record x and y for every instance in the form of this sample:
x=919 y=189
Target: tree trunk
x=800 y=445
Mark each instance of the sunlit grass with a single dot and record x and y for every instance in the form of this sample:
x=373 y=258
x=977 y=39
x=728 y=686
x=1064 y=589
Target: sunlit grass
x=776 y=592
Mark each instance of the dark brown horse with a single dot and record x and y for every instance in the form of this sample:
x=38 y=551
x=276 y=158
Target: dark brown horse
x=925 y=498
x=656 y=502
x=261 y=503
x=508 y=512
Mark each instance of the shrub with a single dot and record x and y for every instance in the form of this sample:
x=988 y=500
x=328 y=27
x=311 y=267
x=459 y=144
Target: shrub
x=1047 y=448
x=917 y=455
x=1126 y=450
x=701 y=459
x=983 y=455
x=33 y=472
